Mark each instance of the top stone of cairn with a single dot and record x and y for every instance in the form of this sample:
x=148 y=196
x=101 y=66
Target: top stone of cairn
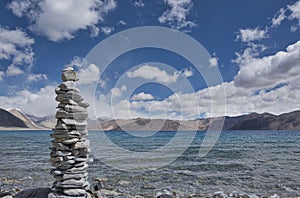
x=68 y=74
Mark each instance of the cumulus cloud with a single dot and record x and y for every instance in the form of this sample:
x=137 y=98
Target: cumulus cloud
x=263 y=84
x=89 y=75
x=290 y=12
x=138 y=4
x=16 y=47
x=176 y=15
x=187 y=72
x=32 y=102
x=116 y=92
x=295 y=14
x=247 y=55
x=279 y=17
x=249 y=35
x=23 y=7
x=107 y=30
x=142 y=96
x=75 y=62
x=13 y=71
x=150 y=72
x=94 y=31
x=213 y=61
x=60 y=20
x=36 y=77
x=284 y=66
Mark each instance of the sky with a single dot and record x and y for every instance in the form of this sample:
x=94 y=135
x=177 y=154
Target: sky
x=254 y=46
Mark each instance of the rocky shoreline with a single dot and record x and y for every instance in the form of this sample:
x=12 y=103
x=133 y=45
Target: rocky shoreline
x=103 y=187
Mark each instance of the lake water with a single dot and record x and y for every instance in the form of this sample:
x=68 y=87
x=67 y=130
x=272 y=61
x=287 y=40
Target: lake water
x=263 y=163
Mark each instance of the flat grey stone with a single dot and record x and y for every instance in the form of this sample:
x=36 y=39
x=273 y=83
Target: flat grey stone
x=74 y=108
x=56 y=159
x=69 y=75
x=56 y=195
x=83 y=104
x=70 y=141
x=60 y=146
x=77 y=115
x=81 y=159
x=63 y=136
x=75 y=133
x=74 y=176
x=79 y=164
x=71 y=95
x=74 y=182
x=67 y=86
x=60 y=153
x=77 y=169
x=66 y=158
x=74 y=122
x=61 y=126
x=75 y=192
x=81 y=152
x=81 y=144
x=68 y=101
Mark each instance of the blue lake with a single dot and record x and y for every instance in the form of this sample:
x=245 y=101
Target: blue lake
x=255 y=162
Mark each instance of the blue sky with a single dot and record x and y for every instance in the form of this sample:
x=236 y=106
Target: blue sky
x=254 y=44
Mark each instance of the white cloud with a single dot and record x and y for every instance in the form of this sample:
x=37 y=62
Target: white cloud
x=290 y=12
x=138 y=4
x=282 y=67
x=89 y=75
x=280 y=16
x=176 y=16
x=149 y=72
x=36 y=77
x=121 y=22
x=247 y=55
x=142 y=96
x=295 y=14
x=1 y=75
x=75 y=62
x=116 y=92
x=264 y=84
x=21 y=8
x=60 y=20
x=187 y=72
x=213 y=61
x=249 y=35
x=16 y=47
x=32 y=102
x=94 y=31
x=107 y=30
x=13 y=71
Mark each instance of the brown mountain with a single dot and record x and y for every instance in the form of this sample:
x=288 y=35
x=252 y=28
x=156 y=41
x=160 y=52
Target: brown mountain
x=28 y=122
x=9 y=120
x=286 y=121
x=253 y=121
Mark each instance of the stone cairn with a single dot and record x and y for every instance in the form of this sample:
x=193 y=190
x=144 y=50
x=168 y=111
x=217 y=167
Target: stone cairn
x=70 y=148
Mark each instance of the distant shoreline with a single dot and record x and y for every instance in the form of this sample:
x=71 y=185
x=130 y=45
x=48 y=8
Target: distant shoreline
x=22 y=129
x=29 y=129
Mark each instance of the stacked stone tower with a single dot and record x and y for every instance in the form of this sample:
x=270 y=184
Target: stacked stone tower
x=69 y=152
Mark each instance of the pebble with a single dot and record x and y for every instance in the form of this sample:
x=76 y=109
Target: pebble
x=69 y=74
x=75 y=192
x=219 y=194
x=124 y=183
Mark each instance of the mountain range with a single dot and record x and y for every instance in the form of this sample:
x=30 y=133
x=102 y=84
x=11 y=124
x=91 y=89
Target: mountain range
x=14 y=119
